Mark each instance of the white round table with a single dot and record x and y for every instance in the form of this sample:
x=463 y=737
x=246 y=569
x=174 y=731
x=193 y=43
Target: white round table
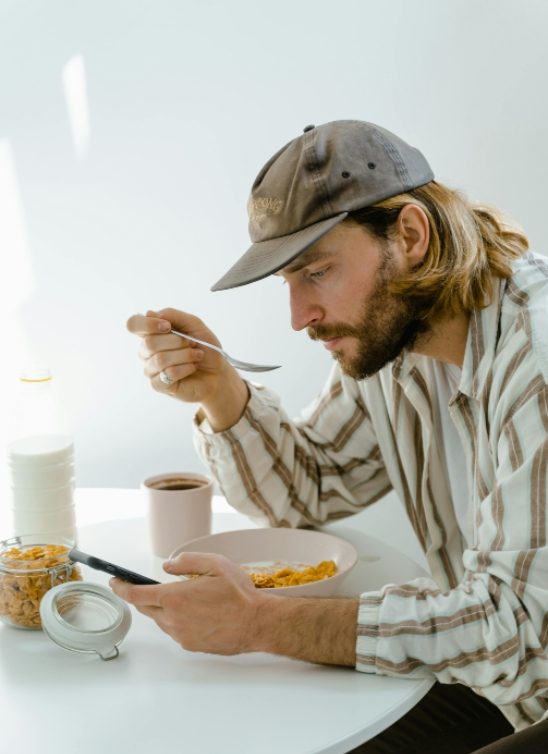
x=158 y=697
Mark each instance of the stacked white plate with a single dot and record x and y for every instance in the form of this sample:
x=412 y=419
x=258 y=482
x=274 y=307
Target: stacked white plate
x=42 y=485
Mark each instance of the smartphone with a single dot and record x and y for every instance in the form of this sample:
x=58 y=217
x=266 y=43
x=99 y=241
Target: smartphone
x=104 y=565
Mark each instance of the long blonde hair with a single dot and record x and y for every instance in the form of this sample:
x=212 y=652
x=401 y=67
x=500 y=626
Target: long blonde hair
x=469 y=246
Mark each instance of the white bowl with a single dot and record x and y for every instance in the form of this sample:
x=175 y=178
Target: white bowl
x=253 y=546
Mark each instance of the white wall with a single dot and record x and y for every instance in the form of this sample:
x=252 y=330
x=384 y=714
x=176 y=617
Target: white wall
x=187 y=100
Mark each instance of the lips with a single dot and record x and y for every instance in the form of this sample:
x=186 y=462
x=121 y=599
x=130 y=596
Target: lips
x=331 y=344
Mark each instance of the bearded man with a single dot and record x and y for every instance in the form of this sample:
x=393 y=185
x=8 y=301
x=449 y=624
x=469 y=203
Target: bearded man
x=436 y=315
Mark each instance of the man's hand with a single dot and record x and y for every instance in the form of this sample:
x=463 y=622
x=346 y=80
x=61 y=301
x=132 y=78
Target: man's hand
x=219 y=610
x=199 y=375
x=215 y=610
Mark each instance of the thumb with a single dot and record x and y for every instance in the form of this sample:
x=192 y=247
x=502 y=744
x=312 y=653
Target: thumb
x=161 y=323
x=196 y=564
x=183 y=320
x=174 y=316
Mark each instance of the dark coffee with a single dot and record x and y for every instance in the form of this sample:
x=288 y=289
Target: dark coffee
x=177 y=483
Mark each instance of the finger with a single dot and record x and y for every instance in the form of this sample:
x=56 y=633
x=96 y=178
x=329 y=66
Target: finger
x=178 y=320
x=160 y=617
x=198 y=564
x=167 y=381
x=155 y=613
x=139 y=324
x=175 y=363
x=140 y=596
x=152 y=344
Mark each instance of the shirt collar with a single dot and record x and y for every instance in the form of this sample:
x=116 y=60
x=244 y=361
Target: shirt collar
x=479 y=351
x=483 y=332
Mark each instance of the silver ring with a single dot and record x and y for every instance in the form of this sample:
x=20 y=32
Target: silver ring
x=166 y=379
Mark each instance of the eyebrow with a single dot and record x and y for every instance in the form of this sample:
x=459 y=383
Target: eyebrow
x=303 y=260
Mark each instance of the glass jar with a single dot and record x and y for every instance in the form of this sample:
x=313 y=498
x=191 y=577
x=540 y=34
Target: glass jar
x=31 y=565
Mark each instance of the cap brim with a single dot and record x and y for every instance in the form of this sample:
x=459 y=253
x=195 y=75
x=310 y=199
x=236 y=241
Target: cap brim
x=266 y=257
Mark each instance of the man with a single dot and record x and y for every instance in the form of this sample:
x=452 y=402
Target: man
x=436 y=316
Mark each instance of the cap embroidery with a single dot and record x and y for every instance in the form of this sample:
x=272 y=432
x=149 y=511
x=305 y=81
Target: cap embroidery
x=262 y=206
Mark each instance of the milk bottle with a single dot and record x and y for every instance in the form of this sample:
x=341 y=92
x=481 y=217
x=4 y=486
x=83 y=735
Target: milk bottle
x=41 y=461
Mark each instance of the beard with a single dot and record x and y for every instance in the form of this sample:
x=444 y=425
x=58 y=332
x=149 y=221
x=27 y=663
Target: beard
x=389 y=325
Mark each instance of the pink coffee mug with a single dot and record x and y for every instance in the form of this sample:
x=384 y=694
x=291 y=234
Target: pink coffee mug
x=178 y=509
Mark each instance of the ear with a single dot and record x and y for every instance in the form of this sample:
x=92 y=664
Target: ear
x=413 y=234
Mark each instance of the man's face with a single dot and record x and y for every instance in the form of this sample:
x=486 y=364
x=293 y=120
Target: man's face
x=339 y=291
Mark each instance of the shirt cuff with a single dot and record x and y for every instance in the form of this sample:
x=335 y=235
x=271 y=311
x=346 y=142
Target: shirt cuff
x=368 y=631
x=259 y=399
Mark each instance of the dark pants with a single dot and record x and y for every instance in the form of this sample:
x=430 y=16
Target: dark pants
x=452 y=719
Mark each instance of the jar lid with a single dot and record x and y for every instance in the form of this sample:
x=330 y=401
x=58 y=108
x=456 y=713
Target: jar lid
x=85 y=617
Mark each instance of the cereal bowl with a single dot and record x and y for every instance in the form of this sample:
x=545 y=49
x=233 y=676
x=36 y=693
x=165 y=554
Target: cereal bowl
x=31 y=565
x=283 y=550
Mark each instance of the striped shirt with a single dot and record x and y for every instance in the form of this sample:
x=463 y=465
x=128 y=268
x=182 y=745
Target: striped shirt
x=481 y=619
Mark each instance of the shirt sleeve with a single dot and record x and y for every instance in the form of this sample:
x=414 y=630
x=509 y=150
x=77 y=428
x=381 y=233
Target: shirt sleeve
x=323 y=466
x=491 y=631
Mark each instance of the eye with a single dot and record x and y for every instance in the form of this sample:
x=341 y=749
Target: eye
x=318 y=274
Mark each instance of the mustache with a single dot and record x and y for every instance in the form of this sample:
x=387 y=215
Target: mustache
x=329 y=332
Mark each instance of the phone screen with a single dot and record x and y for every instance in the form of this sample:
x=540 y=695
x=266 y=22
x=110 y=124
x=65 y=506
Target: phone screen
x=104 y=565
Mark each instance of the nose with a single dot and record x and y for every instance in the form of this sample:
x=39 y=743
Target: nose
x=304 y=311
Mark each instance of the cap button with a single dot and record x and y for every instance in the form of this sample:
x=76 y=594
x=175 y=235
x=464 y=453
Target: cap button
x=308 y=128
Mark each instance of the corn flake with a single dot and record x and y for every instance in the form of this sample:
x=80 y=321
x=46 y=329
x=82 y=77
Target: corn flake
x=20 y=592
x=290 y=576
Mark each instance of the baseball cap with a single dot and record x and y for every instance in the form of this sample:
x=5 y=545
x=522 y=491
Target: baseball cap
x=312 y=183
